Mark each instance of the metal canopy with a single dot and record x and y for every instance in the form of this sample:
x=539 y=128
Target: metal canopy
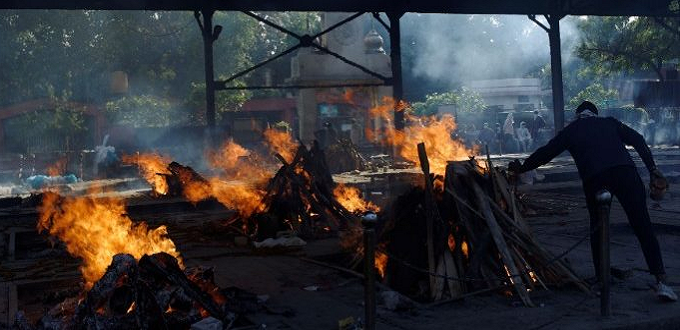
x=521 y=7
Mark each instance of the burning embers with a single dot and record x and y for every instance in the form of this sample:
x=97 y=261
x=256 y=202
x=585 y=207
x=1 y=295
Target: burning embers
x=133 y=275
x=97 y=229
x=149 y=293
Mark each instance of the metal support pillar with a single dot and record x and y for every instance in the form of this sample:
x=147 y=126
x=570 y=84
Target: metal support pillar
x=604 y=201
x=369 y=221
x=556 y=71
x=395 y=57
x=210 y=34
x=553 y=30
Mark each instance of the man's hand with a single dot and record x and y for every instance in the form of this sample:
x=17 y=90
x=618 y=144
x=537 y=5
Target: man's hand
x=514 y=170
x=515 y=167
x=658 y=185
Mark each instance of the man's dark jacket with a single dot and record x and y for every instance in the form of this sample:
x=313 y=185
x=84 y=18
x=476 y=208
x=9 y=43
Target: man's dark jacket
x=596 y=144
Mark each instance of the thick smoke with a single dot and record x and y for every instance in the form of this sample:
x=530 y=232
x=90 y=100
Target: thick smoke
x=462 y=48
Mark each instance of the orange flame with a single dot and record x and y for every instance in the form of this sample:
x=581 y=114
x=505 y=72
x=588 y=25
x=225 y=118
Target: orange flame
x=238 y=187
x=381 y=263
x=151 y=165
x=281 y=142
x=239 y=163
x=228 y=156
x=239 y=196
x=463 y=246
x=465 y=249
x=97 y=229
x=350 y=198
x=436 y=133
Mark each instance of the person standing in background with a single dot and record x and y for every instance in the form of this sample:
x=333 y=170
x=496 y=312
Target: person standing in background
x=535 y=127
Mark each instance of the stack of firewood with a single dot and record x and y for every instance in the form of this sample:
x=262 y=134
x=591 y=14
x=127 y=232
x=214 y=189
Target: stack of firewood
x=152 y=293
x=301 y=195
x=298 y=197
x=467 y=236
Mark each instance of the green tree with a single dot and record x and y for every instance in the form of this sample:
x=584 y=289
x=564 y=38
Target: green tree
x=143 y=111
x=597 y=94
x=629 y=45
x=73 y=52
x=464 y=99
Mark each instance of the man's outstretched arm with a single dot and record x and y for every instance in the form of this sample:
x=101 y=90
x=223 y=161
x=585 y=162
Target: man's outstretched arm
x=632 y=138
x=545 y=153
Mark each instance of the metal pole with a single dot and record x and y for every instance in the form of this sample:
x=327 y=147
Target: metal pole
x=604 y=200
x=369 y=221
x=395 y=57
x=556 y=71
x=208 y=40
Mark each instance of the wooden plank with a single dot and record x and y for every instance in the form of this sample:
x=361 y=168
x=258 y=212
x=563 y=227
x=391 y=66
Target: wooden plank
x=431 y=213
x=439 y=280
x=455 y=287
x=12 y=303
x=502 y=246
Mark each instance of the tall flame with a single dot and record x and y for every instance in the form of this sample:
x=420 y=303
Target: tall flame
x=350 y=198
x=239 y=196
x=381 y=263
x=228 y=155
x=97 y=229
x=281 y=142
x=238 y=187
x=436 y=133
x=238 y=163
x=151 y=165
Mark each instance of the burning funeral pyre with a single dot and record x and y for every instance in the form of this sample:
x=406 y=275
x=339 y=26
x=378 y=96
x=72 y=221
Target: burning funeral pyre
x=463 y=234
x=134 y=276
x=459 y=233
x=299 y=196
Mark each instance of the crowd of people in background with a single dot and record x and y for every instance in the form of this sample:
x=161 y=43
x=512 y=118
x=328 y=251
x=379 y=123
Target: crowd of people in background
x=660 y=127
x=508 y=137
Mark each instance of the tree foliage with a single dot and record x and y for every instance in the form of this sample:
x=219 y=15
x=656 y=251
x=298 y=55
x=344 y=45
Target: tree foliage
x=629 y=45
x=597 y=94
x=464 y=99
x=73 y=53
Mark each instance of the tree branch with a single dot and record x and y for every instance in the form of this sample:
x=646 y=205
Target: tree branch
x=661 y=22
x=624 y=54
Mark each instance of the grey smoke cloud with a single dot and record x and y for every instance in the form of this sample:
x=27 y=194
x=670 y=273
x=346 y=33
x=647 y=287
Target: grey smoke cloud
x=461 y=48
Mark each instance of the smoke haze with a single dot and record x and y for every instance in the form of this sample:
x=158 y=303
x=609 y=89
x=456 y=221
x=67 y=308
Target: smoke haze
x=455 y=49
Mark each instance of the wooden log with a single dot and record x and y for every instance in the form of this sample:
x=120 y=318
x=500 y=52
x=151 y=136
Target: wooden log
x=497 y=236
x=545 y=256
x=437 y=289
x=509 y=197
x=455 y=287
x=165 y=266
x=431 y=212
